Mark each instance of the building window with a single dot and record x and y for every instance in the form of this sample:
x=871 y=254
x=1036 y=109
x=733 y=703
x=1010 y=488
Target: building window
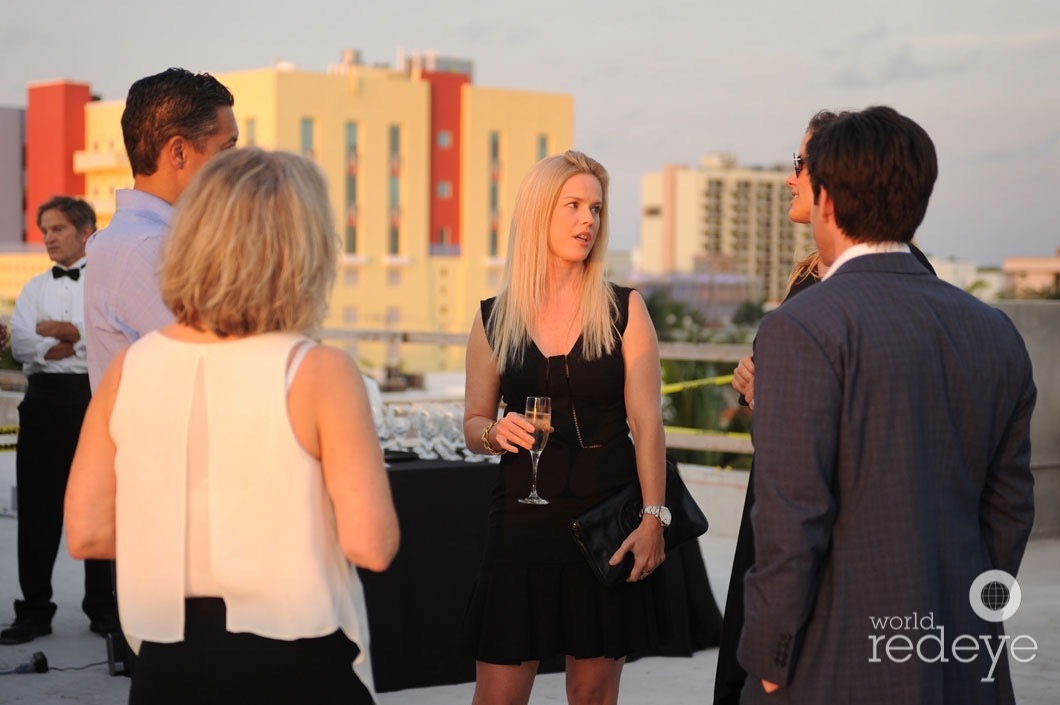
x=350 y=241
x=542 y=146
x=444 y=189
x=445 y=139
x=307 y=138
x=252 y=132
x=495 y=147
x=494 y=242
x=395 y=141
x=350 y=276
x=351 y=188
x=394 y=190
x=349 y=315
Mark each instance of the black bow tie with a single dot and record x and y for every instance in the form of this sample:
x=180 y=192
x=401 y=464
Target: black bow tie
x=58 y=272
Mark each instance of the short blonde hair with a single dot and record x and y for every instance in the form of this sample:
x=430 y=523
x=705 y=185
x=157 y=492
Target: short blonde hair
x=253 y=246
x=523 y=286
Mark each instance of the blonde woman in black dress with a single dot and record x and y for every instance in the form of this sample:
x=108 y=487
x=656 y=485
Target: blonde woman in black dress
x=557 y=329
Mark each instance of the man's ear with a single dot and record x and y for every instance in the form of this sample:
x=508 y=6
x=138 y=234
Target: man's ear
x=175 y=152
x=826 y=206
x=86 y=232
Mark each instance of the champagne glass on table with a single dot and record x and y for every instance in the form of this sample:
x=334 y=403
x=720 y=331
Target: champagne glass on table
x=538 y=412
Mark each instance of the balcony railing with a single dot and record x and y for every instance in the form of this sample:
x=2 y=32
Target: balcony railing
x=409 y=403
x=676 y=437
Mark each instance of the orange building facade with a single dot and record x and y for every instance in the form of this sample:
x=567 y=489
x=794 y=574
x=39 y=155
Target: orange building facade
x=55 y=130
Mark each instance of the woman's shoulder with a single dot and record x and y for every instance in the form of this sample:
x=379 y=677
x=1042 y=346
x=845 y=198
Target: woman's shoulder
x=621 y=295
x=327 y=358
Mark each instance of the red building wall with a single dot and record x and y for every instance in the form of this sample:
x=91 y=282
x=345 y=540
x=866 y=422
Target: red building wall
x=445 y=160
x=55 y=129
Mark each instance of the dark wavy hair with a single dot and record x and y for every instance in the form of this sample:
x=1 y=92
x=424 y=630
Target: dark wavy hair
x=162 y=106
x=78 y=212
x=879 y=168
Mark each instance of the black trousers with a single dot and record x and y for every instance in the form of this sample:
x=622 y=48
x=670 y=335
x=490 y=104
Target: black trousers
x=50 y=417
x=730 y=677
x=214 y=666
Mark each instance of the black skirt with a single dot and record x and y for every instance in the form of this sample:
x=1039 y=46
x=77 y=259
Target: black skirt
x=213 y=665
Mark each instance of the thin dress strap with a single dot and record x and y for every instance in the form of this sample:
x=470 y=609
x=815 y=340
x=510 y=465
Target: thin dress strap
x=296 y=360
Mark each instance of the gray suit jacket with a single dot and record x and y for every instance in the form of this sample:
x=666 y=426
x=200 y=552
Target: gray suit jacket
x=892 y=467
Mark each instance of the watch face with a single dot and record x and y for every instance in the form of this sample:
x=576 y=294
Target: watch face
x=664 y=516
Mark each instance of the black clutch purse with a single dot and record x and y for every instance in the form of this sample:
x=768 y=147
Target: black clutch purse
x=599 y=531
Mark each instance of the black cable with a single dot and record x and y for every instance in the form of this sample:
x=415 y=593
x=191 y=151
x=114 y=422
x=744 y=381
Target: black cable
x=78 y=668
x=38 y=663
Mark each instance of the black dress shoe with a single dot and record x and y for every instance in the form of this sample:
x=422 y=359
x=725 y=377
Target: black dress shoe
x=105 y=625
x=22 y=631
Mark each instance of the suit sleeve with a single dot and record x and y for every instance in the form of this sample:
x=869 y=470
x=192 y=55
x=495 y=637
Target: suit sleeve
x=798 y=403
x=1006 y=510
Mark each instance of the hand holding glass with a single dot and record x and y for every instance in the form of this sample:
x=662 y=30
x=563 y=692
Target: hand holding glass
x=538 y=412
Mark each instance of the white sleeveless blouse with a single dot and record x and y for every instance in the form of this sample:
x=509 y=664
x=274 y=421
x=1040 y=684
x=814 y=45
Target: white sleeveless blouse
x=266 y=539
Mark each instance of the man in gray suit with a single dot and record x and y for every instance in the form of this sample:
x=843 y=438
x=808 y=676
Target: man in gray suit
x=892 y=454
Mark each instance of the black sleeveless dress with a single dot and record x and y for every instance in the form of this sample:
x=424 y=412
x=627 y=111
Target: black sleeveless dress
x=535 y=596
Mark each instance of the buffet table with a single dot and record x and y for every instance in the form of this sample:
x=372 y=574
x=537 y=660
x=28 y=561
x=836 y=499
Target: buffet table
x=415 y=608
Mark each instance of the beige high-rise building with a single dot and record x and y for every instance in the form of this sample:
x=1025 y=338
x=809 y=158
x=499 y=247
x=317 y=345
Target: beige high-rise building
x=723 y=217
x=422 y=165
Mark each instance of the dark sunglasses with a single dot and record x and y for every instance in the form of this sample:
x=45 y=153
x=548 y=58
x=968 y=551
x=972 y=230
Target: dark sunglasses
x=799 y=163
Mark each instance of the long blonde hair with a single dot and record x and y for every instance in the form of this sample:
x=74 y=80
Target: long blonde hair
x=253 y=247
x=804 y=269
x=523 y=287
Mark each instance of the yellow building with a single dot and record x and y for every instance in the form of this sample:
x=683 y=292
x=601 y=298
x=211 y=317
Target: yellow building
x=422 y=165
x=723 y=217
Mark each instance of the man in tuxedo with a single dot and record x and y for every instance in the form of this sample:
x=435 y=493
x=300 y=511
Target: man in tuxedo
x=46 y=338
x=892 y=452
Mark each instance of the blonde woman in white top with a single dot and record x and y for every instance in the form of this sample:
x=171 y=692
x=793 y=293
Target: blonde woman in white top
x=231 y=465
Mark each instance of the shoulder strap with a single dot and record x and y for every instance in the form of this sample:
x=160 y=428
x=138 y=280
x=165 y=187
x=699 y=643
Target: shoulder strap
x=486 y=307
x=622 y=299
x=302 y=347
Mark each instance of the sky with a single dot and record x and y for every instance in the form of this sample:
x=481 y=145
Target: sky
x=653 y=83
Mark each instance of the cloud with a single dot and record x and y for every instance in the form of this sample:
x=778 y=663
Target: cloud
x=873 y=69
x=1042 y=149
x=873 y=61
x=1030 y=39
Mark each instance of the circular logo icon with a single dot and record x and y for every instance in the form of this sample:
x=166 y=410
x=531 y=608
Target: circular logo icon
x=995 y=595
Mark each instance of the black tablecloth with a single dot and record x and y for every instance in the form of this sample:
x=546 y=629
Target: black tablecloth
x=415 y=608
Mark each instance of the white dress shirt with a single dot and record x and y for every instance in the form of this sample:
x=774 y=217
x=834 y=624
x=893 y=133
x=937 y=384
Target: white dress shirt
x=47 y=298
x=865 y=248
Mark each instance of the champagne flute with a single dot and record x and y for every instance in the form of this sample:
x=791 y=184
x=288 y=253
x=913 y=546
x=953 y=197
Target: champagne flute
x=538 y=412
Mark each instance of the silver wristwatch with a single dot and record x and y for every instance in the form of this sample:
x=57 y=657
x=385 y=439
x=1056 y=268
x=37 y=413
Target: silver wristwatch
x=660 y=512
